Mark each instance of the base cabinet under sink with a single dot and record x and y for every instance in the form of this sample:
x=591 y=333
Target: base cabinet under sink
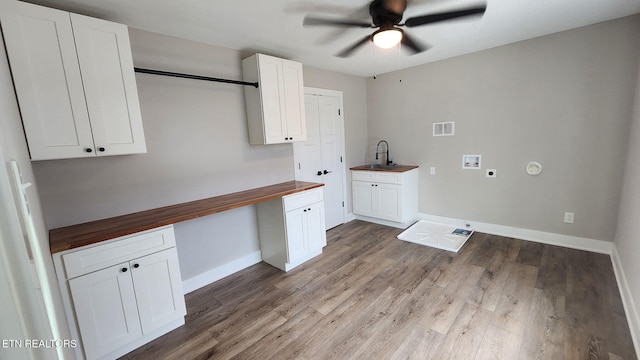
x=390 y=198
x=379 y=200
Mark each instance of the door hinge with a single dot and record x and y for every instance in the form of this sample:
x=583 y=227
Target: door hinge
x=338 y=111
x=340 y=158
x=343 y=204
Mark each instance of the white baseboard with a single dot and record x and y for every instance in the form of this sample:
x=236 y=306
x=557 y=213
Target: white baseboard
x=627 y=299
x=572 y=242
x=385 y=222
x=220 y=272
x=350 y=217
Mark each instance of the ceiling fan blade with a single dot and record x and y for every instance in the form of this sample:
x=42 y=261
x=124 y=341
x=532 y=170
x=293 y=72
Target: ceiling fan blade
x=413 y=45
x=346 y=52
x=313 y=21
x=433 y=18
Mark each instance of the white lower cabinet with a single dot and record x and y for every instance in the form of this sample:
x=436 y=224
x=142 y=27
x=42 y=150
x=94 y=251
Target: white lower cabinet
x=305 y=231
x=383 y=201
x=106 y=309
x=387 y=196
x=292 y=228
x=120 y=305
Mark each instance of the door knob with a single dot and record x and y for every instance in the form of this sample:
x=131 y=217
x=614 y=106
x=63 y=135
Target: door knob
x=124 y=269
x=326 y=172
x=319 y=173
x=101 y=149
x=88 y=150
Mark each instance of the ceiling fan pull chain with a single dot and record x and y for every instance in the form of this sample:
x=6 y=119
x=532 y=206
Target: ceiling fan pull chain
x=374 y=64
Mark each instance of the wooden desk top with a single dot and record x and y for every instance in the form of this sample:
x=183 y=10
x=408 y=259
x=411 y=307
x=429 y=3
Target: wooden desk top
x=74 y=236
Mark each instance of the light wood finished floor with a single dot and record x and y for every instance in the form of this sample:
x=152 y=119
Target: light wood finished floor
x=372 y=296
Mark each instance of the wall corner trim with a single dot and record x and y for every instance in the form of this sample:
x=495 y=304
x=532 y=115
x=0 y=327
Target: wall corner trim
x=572 y=242
x=220 y=272
x=350 y=217
x=627 y=298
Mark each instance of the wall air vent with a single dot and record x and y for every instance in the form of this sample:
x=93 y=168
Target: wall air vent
x=443 y=129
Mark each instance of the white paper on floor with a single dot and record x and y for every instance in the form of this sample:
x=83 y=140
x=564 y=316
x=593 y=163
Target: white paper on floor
x=439 y=236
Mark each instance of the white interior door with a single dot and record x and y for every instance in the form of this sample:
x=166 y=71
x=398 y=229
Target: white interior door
x=308 y=154
x=332 y=166
x=321 y=157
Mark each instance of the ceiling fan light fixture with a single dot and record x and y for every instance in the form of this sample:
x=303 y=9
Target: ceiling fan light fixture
x=386 y=39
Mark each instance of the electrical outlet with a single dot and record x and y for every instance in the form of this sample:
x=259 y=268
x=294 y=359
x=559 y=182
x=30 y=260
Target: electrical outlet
x=568 y=217
x=491 y=173
x=432 y=170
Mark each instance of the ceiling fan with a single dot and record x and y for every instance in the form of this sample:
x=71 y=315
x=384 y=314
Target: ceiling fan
x=386 y=16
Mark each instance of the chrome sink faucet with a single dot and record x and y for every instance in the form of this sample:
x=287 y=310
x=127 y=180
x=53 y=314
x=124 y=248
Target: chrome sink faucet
x=378 y=151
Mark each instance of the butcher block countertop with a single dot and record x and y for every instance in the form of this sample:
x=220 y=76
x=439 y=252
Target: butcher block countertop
x=71 y=237
x=390 y=168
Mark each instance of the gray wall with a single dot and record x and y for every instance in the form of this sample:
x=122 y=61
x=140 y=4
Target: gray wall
x=626 y=241
x=564 y=100
x=198 y=147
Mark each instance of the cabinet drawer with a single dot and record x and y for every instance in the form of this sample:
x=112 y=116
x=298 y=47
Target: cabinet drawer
x=389 y=177
x=99 y=256
x=301 y=199
x=386 y=177
x=363 y=176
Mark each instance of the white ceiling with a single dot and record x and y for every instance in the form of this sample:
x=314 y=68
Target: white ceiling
x=275 y=26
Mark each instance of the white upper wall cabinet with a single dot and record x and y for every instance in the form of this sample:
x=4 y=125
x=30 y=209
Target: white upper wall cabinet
x=275 y=110
x=75 y=83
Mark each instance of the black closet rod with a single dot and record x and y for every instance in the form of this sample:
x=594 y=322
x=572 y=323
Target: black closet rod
x=195 y=77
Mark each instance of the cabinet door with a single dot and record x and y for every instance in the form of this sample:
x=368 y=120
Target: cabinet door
x=293 y=87
x=105 y=305
x=389 y=201
x=272 y=98
x=104 y=54
x=314 y=226
x=158 y=287
x=297 y=243
x=363 y=202
x=44 y=65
